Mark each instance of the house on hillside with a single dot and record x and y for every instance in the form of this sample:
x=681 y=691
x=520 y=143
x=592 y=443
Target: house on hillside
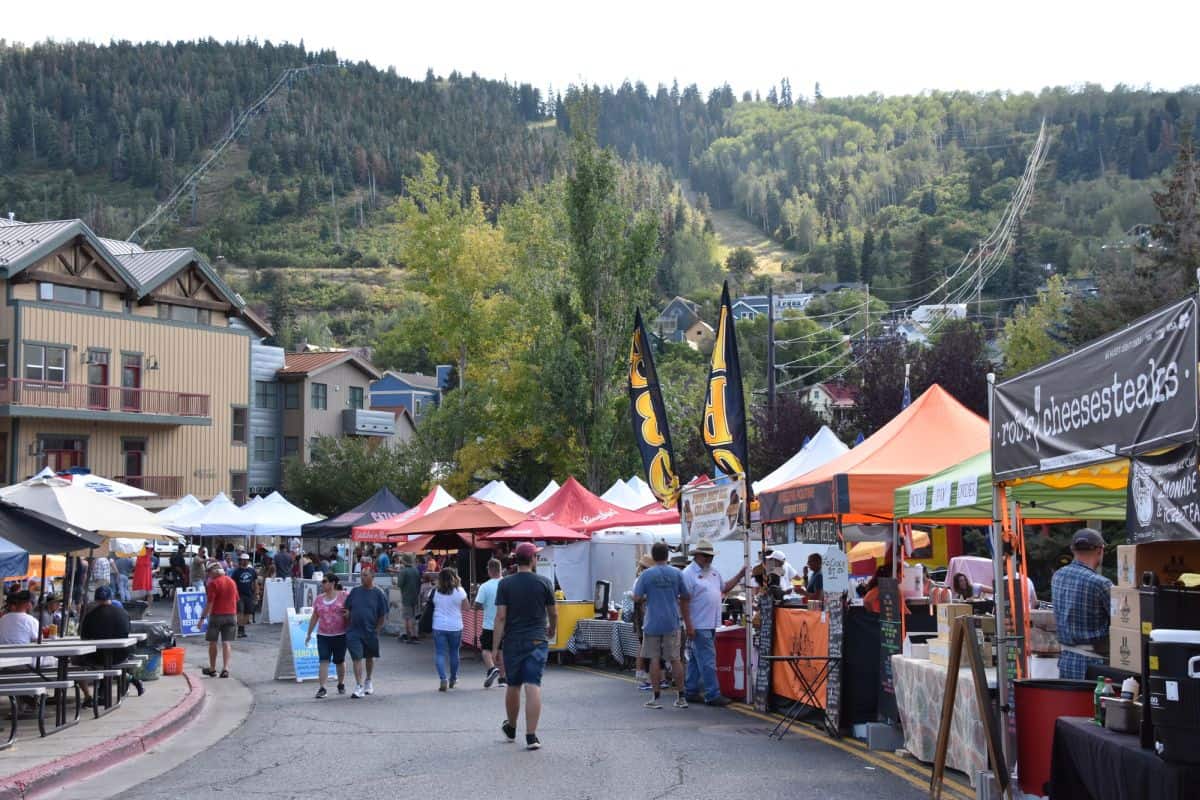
x=411 y=391
x=839 y=286
x=677 y=317
x=700 y=336
x=832 y=401
x=755 y=305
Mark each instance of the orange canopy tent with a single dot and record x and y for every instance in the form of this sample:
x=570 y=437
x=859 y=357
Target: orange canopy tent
x=934 y=432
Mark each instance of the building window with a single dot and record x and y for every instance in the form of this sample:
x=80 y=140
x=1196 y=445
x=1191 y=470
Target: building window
x=264 y=448
x=291 y=446
x=314 y=446
x=239 y=425
x=237 y=487
x=61 y=453
x=320 y=396
x=3 y=359
x=416 y=406
x=291 y=396
x=70 y=295
x=178 y=313
x=265 y=395
x=45 y=362
x=355 y=398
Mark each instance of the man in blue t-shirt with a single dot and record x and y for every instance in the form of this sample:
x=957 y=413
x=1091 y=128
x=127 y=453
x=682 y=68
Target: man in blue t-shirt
x=660 y=588
x=366 y=610
x=526 y=619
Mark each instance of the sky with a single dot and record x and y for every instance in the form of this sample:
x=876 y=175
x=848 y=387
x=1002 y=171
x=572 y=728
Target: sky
x=849 y=48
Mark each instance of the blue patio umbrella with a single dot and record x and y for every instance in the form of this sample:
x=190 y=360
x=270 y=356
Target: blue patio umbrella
x=13 y=560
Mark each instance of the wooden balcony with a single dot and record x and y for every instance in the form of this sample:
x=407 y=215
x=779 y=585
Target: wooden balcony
x=31 y=398
x=161 y=485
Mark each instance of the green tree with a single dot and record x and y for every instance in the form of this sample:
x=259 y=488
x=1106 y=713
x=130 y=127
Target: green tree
x=346 y=470
x=1030 y=336
x=920 y=267
x=843 y=259
x=866 y=260
x=928 y=205
x=1024 y=276
x=613 y=252
x=957 y=361
x=740 y=262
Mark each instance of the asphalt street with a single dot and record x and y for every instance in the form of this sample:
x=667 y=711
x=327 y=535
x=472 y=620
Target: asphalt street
x=409 y=739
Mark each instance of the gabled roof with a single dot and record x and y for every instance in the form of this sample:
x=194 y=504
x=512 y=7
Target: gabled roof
x=415 y=379
x=23 y=244
x=298 y=364
x=153 y=268
x=840 y=393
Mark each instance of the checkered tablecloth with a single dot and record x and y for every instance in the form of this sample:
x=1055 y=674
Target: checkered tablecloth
x=619 y=638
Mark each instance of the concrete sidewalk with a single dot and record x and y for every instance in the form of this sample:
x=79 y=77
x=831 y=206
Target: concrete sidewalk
x=35 y=764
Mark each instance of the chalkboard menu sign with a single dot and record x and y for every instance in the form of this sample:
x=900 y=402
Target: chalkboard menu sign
x=817 y=531
x=766 y=637
x=891 y=641
x=833 y=685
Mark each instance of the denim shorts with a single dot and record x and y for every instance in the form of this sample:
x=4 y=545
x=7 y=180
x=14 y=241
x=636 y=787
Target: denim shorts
x=524 y=660
x=331 y=648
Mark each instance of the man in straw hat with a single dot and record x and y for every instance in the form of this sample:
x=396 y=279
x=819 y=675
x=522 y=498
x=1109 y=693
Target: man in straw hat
x=705 y=589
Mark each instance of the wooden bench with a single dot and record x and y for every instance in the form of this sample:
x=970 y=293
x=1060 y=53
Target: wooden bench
x=12 y=689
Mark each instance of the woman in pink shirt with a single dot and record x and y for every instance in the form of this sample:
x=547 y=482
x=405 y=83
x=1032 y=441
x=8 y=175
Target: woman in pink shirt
x=329 y=618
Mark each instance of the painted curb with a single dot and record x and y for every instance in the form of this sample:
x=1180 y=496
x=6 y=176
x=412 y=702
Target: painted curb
x=99 y=757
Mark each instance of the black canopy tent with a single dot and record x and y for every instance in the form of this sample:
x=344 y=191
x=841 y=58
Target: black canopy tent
x=381 y=505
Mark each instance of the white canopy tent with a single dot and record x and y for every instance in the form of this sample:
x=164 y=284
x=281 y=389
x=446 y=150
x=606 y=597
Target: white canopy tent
x=619 y=494
x=498 y=492
x=821 y=449
x=273 y=515
x=220 y=517
x=642 y=490
x=545 y=494
x=84 y=508
x=182 y=506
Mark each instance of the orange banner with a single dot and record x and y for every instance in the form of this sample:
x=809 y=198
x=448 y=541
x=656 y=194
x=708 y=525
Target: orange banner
x=799 y=632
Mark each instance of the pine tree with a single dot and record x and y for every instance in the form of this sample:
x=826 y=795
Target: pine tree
x=1023 y=279
x=928 y=205
x=920 y=267
x=885 y=252
x=1179 y=208
x=866 y=261
x=979 y=178
x=843 y=260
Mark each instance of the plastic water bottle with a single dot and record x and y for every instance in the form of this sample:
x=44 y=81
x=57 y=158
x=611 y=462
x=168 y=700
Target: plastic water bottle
x=739 y=672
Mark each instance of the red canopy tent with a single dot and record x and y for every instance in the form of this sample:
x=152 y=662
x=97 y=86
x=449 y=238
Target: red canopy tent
x=574 y=507
x=538 y=531
x=933 y=433
x=442 y=541
x=378 y=531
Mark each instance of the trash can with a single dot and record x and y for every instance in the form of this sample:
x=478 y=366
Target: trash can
x=158 y=639
x=731 y=661
x=1039 y=703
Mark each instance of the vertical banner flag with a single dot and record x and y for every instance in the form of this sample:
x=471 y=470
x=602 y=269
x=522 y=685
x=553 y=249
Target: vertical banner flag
x=724 y=424
x=650 y=429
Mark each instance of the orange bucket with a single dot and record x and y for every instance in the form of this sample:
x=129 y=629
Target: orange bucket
x=172 y=661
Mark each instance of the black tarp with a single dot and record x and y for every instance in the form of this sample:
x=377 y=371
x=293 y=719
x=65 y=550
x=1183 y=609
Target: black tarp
x=379 y=506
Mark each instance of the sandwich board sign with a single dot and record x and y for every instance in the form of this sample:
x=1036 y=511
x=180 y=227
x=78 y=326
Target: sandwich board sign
x=186 y=614
x=297 y=660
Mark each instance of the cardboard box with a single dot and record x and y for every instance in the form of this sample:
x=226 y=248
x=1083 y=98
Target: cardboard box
x=1125 y=607
x=1125 y=648
x=948 y=612
x=1167 y=560
x=939 y=653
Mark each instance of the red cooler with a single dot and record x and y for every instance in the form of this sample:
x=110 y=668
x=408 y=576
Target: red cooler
x=731 y=661
x=1039 y=703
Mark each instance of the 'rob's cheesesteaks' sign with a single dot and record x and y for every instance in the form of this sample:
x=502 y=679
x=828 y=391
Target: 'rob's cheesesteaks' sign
x=1163 y=500
x=1131 y=391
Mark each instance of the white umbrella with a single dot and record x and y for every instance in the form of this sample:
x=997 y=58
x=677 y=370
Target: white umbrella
x=107 y=486
x=83 y=508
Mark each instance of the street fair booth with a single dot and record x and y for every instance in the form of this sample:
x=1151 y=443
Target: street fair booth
x=829 y=653
x=379 y=506
x=181 y=507
x=381 y=530
x=1130 y=395
x=218 y=517
x=498 y=492
x=545 y=494
x=823 y=447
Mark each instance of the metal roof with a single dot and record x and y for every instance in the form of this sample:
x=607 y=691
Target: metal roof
x=416 y=379
x=148 y=265
x=119 y=247
x=310 y=363
x=22 y=240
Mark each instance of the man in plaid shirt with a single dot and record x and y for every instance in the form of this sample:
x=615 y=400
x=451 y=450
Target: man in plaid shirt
x=1081 y=606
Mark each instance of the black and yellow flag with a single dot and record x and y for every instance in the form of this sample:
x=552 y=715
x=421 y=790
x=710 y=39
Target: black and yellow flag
x=650 y=429
x=724 y=425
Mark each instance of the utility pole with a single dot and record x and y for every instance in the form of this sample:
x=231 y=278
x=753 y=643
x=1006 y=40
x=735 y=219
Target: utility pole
x=771 y=356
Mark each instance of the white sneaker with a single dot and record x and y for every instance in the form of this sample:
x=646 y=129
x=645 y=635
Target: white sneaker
x=368 y=688
x=358 y=691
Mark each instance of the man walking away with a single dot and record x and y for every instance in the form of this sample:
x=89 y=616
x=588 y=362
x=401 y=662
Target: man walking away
x=220 y=609
x=246 y=579
x=366 y=610
x=661 y=589
x=705 y=589
x=526 y=619
x=485 y=599
x=408 y=581
x=1080 y=597
x=283 y=563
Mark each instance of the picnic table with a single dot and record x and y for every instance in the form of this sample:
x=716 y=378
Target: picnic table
x=61 y=651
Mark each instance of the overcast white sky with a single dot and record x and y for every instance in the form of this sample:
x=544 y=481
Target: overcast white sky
x=850 y=47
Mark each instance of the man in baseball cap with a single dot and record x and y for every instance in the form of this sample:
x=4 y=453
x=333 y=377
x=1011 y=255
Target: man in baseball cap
x=1081 y=606
x=526 y=621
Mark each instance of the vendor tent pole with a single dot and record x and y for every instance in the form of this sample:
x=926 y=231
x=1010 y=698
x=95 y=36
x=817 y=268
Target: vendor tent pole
x=1002 y=683
x=42 y=598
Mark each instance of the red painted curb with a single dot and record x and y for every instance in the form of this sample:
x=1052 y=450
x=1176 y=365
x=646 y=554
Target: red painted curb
x=97 y=758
